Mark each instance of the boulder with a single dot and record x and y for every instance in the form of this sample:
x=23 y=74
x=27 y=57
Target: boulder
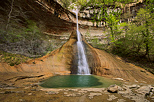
x=144 y=90
x=114 y=88
x=133 y=86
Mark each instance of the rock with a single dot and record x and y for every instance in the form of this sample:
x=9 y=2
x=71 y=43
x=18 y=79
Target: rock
x=26 y=87
x=135 y=97
x=3 y=85
x=111 y=97
x=152 y=90
x=152 y=97
x=29 y=94
x=51 y=92
x=65 y=93
x=8 y=92
x=133 y=86
x=34 y=85
x=69 y=95
x=136 y=80
x=20 y=92
x=11 y=84
x=120 y=88
x=128 y=93
x=94 y=94
x=82 y=91
x=72 y=94
x=2 y=92
x=114 y=88
x=93 y=89
x=10 y=87
x=138 y=98
x=144 y=90
x=34 y=90
x=121 y=100
x=106 y=92
x=7 y=86
x=78 y=94
x=127 y=89
x=72 y=89
x=22 y=100
x=118 y=79
x=151 y=93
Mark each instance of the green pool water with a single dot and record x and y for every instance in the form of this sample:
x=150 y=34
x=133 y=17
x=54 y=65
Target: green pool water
x=77 y=81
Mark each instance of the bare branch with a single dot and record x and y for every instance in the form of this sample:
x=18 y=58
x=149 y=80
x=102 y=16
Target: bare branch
x=9 y=16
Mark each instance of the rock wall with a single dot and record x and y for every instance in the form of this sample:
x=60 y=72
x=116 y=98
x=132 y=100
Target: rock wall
x=64 y=61
x=116 y=68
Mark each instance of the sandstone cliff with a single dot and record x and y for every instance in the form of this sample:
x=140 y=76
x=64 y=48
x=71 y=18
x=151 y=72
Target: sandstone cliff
x=64 y=61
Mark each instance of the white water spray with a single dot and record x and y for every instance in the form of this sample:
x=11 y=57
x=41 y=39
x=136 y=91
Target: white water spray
x=83 y=68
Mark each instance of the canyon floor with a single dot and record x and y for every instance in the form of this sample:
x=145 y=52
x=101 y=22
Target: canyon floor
x=25 y=88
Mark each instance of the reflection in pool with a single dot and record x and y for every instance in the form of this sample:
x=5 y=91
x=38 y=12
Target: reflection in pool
x=73 y=81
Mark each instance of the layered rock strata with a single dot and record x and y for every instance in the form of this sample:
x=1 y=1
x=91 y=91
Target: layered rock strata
x=64 y=61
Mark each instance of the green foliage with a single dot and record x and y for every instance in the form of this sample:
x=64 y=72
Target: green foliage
x=145 y=19
x=65 y=3
x=109 y=1
x=143 y=15
x=82 y=2
x=32 y=32
x=112 y=20
x=12 y=59
x=25 y=40
x=96 y=43
x=149 y=5
x=86 y=3
x=139 y=38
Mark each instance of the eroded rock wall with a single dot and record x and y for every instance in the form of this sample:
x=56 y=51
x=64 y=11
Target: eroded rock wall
x=64 y=61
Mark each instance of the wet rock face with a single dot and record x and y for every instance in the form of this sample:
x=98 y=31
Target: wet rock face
x=74 y=65
x=92 y=57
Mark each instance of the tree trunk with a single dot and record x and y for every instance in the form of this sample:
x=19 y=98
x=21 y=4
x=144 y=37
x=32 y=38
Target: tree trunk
x=112 y=35
x=147 y=41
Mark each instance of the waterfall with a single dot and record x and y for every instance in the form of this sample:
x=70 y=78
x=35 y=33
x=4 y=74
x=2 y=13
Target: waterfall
x=83 y=68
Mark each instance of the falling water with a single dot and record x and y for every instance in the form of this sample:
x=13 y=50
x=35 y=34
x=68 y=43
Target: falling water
x=83 y=67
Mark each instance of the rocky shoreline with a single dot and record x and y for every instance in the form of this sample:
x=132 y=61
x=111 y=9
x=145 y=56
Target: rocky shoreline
x=28 y=90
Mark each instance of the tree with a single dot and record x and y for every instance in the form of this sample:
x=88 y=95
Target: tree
x=10 y=14
x=144 y=20
x=112 y=22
